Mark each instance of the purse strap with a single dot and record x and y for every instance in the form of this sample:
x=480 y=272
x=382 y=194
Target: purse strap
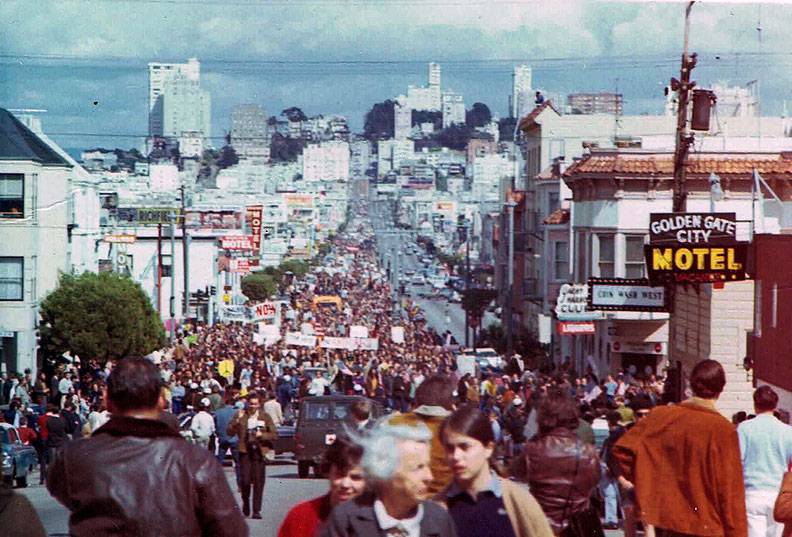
x=574 y=478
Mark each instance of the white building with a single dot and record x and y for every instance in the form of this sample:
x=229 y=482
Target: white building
x=402 y=118
x=427 y=97
x=34 y=231
x=522 y=98
x=164 y=178
x=453 y=109
x=326 y=161
x=177 y=103
x=361 y=158
x=392 y=153
x=488 y=172
x=250 y=133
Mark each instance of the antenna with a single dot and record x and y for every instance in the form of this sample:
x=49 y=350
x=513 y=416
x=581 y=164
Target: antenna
x=28 y=110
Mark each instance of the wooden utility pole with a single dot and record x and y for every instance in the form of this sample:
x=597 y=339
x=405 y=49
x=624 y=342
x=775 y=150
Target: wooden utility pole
x=683 y=137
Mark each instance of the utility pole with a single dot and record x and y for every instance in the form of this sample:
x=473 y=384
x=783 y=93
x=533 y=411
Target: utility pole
x=185 y=258
x=172 y=218
x=159 y=269
x=683 y=138
x=510 y=280
x=467 y=283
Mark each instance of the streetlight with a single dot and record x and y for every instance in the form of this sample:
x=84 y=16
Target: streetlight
x=510 y=279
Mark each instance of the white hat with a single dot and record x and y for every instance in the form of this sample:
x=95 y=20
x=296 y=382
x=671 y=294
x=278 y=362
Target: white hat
x=287 y=378
x=193 y=386
x=207 y=390
x=358 y=388
x=206 y=402
x=517 y=401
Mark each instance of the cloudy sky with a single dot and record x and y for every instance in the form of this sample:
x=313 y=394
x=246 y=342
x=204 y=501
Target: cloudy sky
x=85 y=62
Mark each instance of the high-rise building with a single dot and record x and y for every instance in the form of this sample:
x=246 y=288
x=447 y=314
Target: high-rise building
x=402 y=118
x=177 y=104
x=595 y=103
x=326 y=161
x=427 y=97
x=522 y=98
x=434 y=75
x=453 y=109
x=250 y=133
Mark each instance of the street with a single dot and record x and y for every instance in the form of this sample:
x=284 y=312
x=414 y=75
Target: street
x=282 y=491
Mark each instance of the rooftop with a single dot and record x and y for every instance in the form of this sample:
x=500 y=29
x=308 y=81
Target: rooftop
x=17 y=142
x=654 y=163
x=559 y=216
x=528 y=120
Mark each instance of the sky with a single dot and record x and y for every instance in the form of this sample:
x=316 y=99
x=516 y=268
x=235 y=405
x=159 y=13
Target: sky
x=85 y=61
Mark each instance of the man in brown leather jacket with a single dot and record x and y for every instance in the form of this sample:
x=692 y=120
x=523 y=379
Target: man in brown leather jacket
x=135 y=476
x=256 y=432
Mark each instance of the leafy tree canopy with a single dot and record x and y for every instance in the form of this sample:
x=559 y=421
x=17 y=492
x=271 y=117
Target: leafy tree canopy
x=455 y=137
x=294 y=114
x=478 y=116
x=259 y=286
x=427 y=116
x=99 y=316
x=285 y=148
x=379 y=122
x=476 y=299
x=506 y=126
x=228 y=157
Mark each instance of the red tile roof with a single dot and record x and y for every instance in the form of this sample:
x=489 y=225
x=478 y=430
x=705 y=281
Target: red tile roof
x=530 y=119
x=639 y=163
x=559 y=216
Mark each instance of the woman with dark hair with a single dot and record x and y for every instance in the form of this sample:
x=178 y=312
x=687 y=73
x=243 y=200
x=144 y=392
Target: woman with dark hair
x=342 y=466
x=481 y=502
x=562 y=470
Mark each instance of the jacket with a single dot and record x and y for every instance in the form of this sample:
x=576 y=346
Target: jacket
x=18 y=518
x=238 y=427
x=783 y=505
x=562 y=471
x=685 y=463
x=525 y=513
x=356 y=518
x=432 y=417
x=136 y=477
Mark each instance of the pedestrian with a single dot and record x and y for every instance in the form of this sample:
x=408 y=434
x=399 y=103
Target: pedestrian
x=766 y=448
x=273 y=408
x=74 y=424
x=561 y=469
x=783 y=506
x=203 y=425
x=481 y=502
x=57 y=435
x=135 y=476
x=684 y=463
x=26 y=435
x=396 y=466
x=341 y=463
x=256 y=432
x=222 y=418
x=434 y=401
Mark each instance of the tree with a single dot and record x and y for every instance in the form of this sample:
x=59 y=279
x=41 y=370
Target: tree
x=259 y=286
x=295 y=266
x=294 y=114
x=99 y=316
x=228 y=157
x=478 y=116
x=475 y=300
x=285 y=148
x=506 y=126
x=427 y=116
x=455 y=137
x=379 y=122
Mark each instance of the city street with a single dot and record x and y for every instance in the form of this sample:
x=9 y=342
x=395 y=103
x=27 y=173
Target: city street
x=282 y=491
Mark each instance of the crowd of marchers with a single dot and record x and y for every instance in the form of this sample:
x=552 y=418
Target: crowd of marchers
x=512 y=452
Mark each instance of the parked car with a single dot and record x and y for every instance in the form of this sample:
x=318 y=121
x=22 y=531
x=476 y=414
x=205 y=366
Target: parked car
x=488 y=358
x=418 y=280
x=18 y=460
x=321 y=420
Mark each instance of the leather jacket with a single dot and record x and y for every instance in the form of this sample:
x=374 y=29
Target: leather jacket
x=562 y=471
x=137 y=477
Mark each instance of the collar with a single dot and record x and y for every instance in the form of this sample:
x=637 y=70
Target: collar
x=494 y=487
x=124 y=426
x=432 y=411
x=386 y=522
x=707 y=404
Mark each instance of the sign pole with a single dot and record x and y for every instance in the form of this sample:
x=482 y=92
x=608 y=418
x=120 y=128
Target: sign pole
x=172 y=219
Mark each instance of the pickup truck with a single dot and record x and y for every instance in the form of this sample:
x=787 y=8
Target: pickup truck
x=321 y=420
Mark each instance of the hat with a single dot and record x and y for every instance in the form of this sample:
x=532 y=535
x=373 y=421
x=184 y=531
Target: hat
x=207 y=390
x=626 y=416
x=517 y=401
x=358 y=388
x=287 y=378
x=205 y=402
x=194 y=386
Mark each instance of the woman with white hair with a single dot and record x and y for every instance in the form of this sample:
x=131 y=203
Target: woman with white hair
x=396 y=465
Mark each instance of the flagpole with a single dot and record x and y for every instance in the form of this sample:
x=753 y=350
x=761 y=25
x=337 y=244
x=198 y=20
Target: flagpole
x=753 y=204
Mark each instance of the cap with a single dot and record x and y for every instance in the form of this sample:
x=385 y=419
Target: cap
x=358 y=388
x=194 y=386
x=207 y=390
x=205 y=402
x=287 y=378
x=517 y=401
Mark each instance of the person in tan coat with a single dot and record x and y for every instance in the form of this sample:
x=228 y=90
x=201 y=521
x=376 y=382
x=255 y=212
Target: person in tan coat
x=684 y=462
x=783 y=505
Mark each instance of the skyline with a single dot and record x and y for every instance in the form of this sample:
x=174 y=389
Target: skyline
x=348 y=61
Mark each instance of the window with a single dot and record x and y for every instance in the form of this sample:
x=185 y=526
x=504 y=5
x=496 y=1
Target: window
x=553 y=202
x=606 y=256
x=561 y=260
x=12 y=195
x=634 y=257
x=11 y=278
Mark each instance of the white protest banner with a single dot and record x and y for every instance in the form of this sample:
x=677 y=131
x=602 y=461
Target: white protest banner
x=307 y=329
x=367 y=343
x=300 y=340
x=397 y=334
x=337 y=343
x=265 y=311
x=358 y=331
x=268 y=334
x=466 y=364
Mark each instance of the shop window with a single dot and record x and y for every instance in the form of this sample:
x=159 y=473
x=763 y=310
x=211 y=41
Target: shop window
x=12 y=195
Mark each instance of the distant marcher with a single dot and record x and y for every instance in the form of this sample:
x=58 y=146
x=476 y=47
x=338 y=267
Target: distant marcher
x=684 y=456
x=766 y=448
x=203 y=425
x=135 y=476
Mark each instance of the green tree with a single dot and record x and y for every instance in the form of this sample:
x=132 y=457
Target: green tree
x=379 y=122
x=427 y=116
x=455 y=137
x=99 y=316
x=259 y=286
x=295 y=266
x=478 y=116
x=294 y=114
x=228 y=157
x=476 y=299
x=284 y=148
x=506 y=126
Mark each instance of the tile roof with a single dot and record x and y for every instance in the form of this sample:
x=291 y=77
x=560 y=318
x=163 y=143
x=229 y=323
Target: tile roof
x=17 y=142
x=559 y=216
x=528 y=120
x=663 y=163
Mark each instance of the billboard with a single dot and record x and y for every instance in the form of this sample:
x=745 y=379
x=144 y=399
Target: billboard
x=147 y=216
x=213 y=221
x=619 y=294
x=692 y=228
x=697 y=264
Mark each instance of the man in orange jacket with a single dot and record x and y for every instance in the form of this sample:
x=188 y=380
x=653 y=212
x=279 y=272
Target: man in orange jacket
x=684 y=462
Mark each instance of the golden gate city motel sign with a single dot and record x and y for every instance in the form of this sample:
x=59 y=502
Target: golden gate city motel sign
x=695 y=247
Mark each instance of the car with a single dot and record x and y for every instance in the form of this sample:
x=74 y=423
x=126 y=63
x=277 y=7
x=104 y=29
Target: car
x=320 y=421
x=18 y=460
x=418 y=280
x=409 y=272
x=488 y=358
